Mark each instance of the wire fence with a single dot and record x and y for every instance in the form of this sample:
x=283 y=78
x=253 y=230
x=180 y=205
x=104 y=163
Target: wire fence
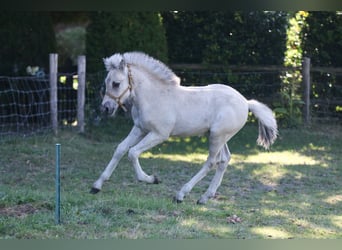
x=25 y=101
x=25 y=104
x=326 y=96
x=267 y=83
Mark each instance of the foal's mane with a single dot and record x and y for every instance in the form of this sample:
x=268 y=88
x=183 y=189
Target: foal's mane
x=148 y=63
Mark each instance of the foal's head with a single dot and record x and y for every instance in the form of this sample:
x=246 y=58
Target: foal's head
x=118 y=84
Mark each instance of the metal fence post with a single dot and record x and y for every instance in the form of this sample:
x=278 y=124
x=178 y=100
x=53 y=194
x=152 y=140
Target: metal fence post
x=58 y=185
x=81 y=71
x=53 y=92
x=306 y=82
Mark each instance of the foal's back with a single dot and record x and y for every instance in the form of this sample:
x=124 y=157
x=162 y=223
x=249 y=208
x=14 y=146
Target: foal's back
x=199 y=109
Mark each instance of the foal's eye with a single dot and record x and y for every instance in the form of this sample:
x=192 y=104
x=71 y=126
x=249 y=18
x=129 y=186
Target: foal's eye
x=115 y=84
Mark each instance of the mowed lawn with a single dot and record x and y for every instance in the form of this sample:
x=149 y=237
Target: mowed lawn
x=292 y=191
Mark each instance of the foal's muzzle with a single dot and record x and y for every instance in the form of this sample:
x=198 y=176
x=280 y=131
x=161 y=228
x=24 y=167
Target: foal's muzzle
x=108 y=108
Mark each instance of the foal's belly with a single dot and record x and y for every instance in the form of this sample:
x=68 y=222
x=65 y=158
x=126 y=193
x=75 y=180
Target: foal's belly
x=183 y=131
x=192 y=121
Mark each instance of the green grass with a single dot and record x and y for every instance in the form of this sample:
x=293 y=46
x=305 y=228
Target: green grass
x=292 y=191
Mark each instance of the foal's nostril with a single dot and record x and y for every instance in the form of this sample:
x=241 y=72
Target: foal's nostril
x=102 y=109
x=106 y=107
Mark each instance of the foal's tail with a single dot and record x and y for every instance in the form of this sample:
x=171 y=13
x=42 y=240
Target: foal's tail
x=268 y=130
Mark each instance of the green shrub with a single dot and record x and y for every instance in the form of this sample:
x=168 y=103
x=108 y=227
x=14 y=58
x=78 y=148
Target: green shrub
x=113 y=32
x=26 y=39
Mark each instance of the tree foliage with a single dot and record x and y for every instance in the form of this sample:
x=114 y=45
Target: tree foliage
x=70 y=45
x=113 y=32
x=289 y=106
x=322 y=38
x=183 y=32
x=226 y=37
x=26 y=38
x=206 y=37
x=70 y=31
x=322 y=42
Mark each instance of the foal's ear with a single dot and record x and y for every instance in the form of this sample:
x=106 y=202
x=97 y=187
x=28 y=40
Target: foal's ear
x=107 y=64
x=112 y=63
x=122 y=64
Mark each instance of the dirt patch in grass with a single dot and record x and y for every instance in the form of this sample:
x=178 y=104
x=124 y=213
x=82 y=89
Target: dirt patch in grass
x=21 y=210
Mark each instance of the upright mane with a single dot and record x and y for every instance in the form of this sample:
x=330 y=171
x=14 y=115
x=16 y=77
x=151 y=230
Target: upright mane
x=146 y=62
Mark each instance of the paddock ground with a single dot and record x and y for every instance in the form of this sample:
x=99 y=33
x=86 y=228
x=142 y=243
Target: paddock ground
x=293 y=191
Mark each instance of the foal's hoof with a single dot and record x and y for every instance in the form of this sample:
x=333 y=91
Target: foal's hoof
x=156 y=180
x=175 y=200
x=201 y=202
x=94 y=190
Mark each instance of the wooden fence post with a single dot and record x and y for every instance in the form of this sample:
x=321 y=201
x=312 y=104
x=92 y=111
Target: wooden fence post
x=81 y=71
x=53 y=92
x=306 y=82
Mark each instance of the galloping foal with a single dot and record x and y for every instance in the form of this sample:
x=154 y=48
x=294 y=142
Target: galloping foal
x=161 y=108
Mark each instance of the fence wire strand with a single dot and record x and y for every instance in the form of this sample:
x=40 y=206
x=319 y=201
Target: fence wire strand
x=25 y=101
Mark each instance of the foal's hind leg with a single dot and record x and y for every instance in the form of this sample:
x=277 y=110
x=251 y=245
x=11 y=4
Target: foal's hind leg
x=223 y=159
x=194 y=180
x=216 y=143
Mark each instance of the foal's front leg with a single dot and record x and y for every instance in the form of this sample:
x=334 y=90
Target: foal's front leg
x=149 y=141
x=133 y=138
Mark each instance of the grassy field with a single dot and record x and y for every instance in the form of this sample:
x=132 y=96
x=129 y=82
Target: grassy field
x=292 y=191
